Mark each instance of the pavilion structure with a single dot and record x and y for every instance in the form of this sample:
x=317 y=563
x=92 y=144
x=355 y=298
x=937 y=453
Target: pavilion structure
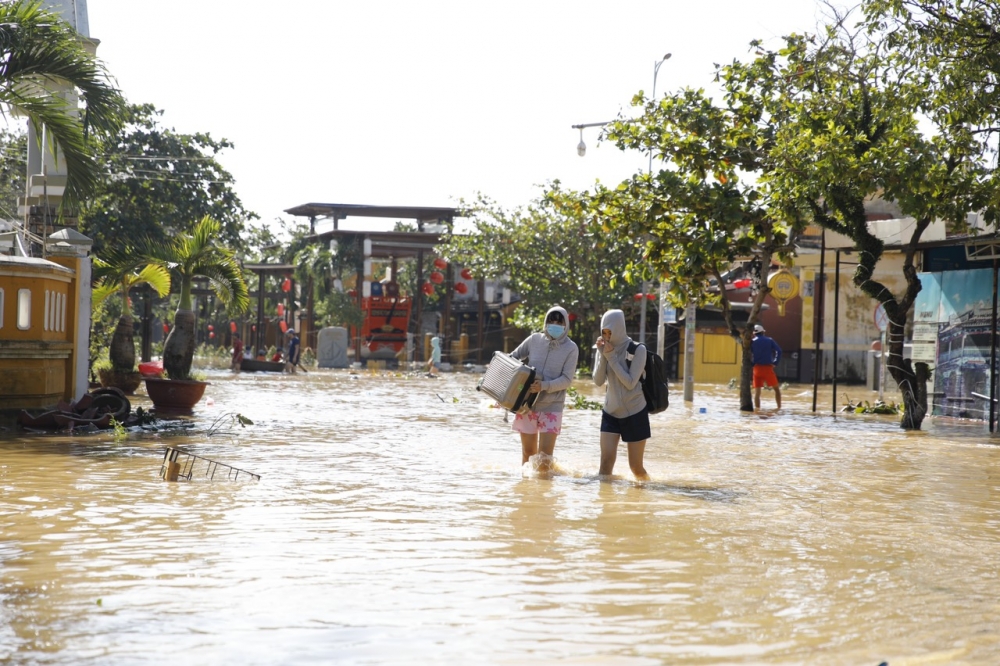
x=390 y=246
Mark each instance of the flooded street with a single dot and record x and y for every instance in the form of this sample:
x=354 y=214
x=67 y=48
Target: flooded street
x=394 y=524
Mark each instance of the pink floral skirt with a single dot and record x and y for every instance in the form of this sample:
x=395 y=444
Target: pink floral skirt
x=535 y=422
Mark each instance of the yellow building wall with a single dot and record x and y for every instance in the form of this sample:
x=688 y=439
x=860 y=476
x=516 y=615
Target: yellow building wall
x=36 y=361
x=717 y=358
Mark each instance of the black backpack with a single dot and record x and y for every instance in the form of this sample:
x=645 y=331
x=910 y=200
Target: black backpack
x=653 y=380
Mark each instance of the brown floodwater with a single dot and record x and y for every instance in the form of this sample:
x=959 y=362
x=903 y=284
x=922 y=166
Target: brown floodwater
x=393 y=523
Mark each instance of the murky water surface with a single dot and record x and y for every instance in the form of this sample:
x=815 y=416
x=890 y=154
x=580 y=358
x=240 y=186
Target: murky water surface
x=394 y=524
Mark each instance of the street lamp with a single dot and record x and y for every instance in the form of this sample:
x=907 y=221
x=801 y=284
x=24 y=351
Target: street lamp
x=581 y=148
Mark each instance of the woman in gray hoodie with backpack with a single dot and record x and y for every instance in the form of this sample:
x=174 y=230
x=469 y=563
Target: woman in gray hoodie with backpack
x=553 y=356
x=625 y=416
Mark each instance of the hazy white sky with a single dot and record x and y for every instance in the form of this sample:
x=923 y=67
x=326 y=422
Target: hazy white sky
x=418 y=103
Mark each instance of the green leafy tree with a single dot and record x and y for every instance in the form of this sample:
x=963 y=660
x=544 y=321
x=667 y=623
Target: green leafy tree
x=41 y=51
x=555 y=250
x=191 y=255
x=705 y=208
x=13 y=167
x=849 y=133
x=161 y=181
x=117 y=273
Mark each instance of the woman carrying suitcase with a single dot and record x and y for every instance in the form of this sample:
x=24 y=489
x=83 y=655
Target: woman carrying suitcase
x=554 y=356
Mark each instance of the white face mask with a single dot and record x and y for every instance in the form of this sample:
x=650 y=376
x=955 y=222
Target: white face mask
x=555 y=330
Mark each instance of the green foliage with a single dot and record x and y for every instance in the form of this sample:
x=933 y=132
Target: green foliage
x=162 y=182
x=555 y=250
x=13 y=167
x=42 y=53
x=338 y=309
x=865 y=407
x=580 y=401
x=227 y=422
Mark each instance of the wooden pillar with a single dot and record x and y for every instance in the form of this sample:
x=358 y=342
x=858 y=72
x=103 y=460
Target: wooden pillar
x=418 y=354
x=480 y=324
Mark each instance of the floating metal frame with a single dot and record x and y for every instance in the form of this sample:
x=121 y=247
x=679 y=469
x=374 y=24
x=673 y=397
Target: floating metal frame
x=188 y=464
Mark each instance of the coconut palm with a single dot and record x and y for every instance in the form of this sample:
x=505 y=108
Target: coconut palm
x=39 y=53
x=198 y=255
x=117 y=273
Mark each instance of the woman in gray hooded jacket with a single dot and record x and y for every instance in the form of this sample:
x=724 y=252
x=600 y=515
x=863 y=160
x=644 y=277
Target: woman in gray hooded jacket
x=553 y=356
x=625 y=416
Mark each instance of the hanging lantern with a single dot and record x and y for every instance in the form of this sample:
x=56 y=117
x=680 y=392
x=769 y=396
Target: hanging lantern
x=253 y=328
x=440 y=263
x=461 y=287
x=436 y=277
x=283 y=325
x=489 y=293
x=572 y=317
x=466 y=274
x=232 y=327
x=166 y=328
x=211 y=328
x=366 y=289
x=211 y=334
x=505 y=296
x=427 y=288
x=650 y=297
x=286 y=286
x=281 y=309
x=637 y=297
x=366 y=247
x=742 y=283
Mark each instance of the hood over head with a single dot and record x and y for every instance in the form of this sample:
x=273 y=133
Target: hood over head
x=565 y=323
x=614 y=320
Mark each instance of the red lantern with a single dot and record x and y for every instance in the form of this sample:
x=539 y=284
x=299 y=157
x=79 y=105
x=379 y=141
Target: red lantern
x=211 y=334
x=211 y=328
x=286 y=286
x=440 y=263
x=166 y=328
x=353 y=293
x=427 y=288
x=281 y=309
x=461 y=287
x=741 y=284
x=253 y=328
x=232 y=326
x=637 y=297
x=650 y=297
x=437 y=278
x=466 y=274
x=283 y=326
x=572 y=317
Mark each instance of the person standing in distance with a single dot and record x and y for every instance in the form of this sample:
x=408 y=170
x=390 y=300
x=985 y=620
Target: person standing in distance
x=294 y=348
x=553 y=356
x=765 y=354
x=625 y=416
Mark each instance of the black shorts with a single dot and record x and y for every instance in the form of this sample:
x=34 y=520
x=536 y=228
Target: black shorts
x=633 y=428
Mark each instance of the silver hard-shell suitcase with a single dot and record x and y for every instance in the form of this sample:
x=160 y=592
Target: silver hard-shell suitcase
x=507 y=381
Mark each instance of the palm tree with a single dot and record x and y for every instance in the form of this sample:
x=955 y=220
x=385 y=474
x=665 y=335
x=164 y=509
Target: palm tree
x=118 y=273
x=39 y=51
x=197 y=255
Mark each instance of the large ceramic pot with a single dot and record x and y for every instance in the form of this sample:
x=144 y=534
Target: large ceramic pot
x=126 y=381
x=178 y=396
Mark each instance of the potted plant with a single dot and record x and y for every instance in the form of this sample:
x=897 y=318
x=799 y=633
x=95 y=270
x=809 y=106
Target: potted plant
x=190 y=256
x=118 y=272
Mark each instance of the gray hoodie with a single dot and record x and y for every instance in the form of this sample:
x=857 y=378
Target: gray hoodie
x=624 y=396
x=554 y=361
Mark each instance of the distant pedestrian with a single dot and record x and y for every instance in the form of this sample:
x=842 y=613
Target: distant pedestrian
x=765 y=354
x=292 y=354
x=625 y=416
x=237 y=352
x=434 y=362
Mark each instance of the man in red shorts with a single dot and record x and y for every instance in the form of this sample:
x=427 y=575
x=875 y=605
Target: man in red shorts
x=765 y=354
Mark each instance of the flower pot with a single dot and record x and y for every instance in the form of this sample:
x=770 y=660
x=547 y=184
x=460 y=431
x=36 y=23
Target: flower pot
x=177 y=396
x=128 y=382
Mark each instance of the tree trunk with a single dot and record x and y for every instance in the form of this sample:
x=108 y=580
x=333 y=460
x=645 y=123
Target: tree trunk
x=178 y=350
x=122 y=350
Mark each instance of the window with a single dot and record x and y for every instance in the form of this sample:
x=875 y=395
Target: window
x=24 y=309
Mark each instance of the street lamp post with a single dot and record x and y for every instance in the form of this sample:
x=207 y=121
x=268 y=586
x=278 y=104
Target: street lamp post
x=581 y=148
x=660 y=326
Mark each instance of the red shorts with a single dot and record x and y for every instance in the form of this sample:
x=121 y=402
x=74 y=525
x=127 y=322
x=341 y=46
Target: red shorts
x=763 y=375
